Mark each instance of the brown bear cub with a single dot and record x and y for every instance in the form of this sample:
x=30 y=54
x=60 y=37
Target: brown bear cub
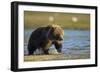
x=43 y=37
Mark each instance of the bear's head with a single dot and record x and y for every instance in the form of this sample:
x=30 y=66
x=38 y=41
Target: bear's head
x=55 y=33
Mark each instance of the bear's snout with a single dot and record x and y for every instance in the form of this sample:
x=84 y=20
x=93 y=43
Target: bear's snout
x=61 y=38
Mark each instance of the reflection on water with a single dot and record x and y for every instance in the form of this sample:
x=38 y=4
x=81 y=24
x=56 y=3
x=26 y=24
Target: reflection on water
x=75 y=41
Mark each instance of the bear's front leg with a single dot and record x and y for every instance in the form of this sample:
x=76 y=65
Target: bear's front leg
x=46 y=46
x=58 y=46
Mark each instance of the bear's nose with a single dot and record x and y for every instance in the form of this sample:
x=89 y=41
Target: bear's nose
x=61 y=38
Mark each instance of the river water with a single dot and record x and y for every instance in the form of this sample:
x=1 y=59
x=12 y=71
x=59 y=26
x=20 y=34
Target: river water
x=75 y=41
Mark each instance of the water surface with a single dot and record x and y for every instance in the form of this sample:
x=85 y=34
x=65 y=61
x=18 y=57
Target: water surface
x=76 y=42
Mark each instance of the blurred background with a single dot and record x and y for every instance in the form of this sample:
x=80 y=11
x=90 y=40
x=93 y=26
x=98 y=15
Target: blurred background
x=65 y=20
